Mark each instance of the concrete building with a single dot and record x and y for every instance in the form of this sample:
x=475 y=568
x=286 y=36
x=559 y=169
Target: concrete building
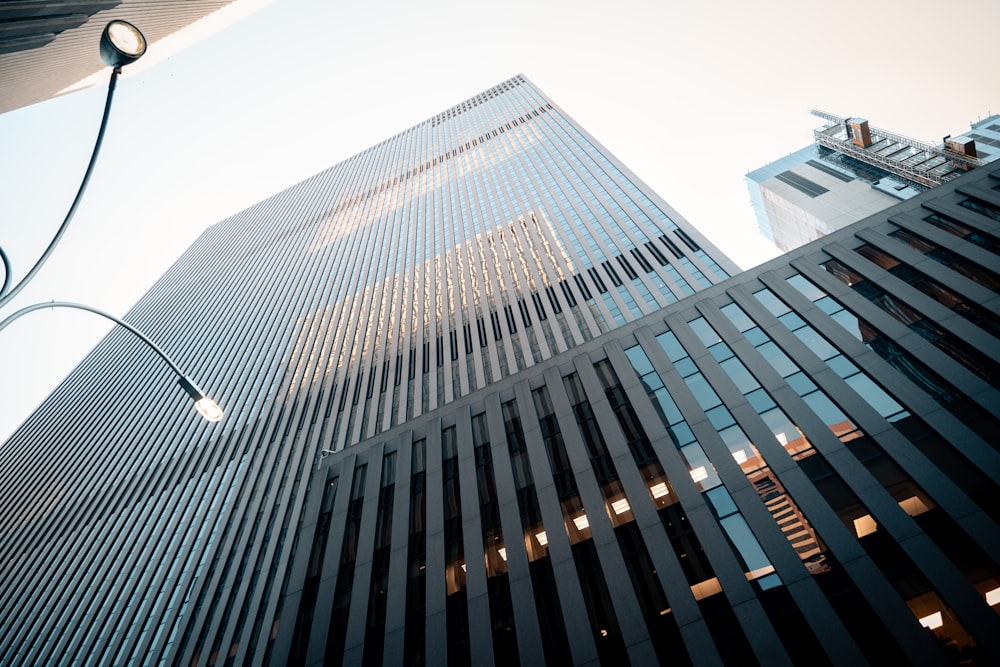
x=490 y=400
x=854 y=170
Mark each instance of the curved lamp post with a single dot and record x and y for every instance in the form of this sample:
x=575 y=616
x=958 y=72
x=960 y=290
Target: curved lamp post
x=205 y=406
x=121 y=44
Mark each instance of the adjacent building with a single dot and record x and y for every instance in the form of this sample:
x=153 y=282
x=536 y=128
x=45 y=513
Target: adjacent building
x=854 y=170
x=491 y=400
x=49 y=48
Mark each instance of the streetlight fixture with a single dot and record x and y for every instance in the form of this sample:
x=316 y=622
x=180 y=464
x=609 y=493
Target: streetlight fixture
x=121 y=44
x=206 y=407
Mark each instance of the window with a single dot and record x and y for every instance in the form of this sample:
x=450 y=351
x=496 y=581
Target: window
x=802 y=184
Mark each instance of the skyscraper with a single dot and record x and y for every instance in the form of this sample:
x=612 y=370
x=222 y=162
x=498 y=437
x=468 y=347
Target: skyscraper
x=796 y=466
x=485 y=240
x=489 y=399
x=854 y=170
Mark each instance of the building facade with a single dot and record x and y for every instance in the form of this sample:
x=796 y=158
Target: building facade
x=51 y=48
x=490 y=400
x=853 y=171
x=797 y=466
x=470 y=248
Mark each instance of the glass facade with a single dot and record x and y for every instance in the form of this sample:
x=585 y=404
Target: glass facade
x=460 y=252
x=775 y=471
x=491 y=402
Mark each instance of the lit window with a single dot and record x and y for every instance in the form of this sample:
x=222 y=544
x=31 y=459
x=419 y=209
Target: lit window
x=865 y=525
x=993 y=597
x=542 y=538
x=913 y=506
x=699 y=474
x=659 y=490
x=620 y=506
x=582 y=523
x=707 y=588
x=932 y=621
x=759 y=572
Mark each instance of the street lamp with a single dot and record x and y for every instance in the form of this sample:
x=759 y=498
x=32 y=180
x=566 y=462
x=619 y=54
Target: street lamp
x=121 y=44
x=206 y=407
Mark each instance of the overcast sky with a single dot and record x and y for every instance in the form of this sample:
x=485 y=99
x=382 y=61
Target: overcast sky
x=690 y=95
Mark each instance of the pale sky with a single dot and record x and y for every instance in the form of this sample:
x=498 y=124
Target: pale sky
x=690 y=95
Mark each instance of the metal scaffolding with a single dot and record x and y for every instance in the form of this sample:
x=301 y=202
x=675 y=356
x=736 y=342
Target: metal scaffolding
x=908 y=158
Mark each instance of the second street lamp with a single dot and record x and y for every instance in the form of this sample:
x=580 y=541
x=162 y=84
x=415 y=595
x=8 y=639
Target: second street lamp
x=206 y=407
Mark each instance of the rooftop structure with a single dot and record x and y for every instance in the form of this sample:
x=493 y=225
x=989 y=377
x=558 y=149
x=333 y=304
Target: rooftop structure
x=854 y=170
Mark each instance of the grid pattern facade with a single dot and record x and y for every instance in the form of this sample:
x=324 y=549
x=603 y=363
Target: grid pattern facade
x=467 y=248
x=463 y=251
x=797 y=466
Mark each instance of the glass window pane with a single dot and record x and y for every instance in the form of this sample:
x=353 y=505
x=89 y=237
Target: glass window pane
x=771 y=302
x=782 y=427
x=759 y=400
x=720 y=417
x=827 y=411
x=800 y=383
x=809 y=290
x=739 y=374
x=639 y=360
x=792 y=321
x=828 y=305
x=704 y=331
x=819 y=345
x=849 y=322
x=746 y=544
x=670 y=411
x=668 y=341
x=874 y=395
x=841 y=366
x=703 y=392
x=685 y=367
x=755 y=336
x=702 y=471
x=683 y=433
x=778 y=359
x=721 y=502
x=720 y=351
x=738 y=317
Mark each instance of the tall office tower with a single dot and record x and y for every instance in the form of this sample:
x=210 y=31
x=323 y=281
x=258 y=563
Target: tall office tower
x=459 y=253
x=48 y=48
x=854 y=170
x=799 y=465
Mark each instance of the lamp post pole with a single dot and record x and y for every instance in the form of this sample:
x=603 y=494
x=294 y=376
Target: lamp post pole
x=121 y=44
x=205 y=406
x=5 y=295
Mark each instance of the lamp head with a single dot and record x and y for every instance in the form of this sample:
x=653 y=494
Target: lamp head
x=206 y=407
x=121 y=44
